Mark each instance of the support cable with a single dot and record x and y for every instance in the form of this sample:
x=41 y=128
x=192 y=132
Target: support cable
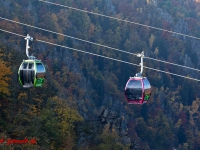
x=96 y=43
x=140 y=24
x=103 y=56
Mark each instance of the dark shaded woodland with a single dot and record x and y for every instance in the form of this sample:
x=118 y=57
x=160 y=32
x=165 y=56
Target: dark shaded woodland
x=81 y=104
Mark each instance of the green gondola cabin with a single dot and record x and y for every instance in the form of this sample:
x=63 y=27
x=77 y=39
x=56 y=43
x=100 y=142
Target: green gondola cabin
x=31 y=73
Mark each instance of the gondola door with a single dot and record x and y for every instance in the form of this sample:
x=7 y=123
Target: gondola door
x=27 y=74
x=134 y=91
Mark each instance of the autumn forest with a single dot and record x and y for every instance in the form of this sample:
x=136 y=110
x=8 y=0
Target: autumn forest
x=81 y=105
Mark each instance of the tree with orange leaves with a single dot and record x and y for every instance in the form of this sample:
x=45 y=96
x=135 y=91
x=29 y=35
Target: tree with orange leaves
x=4 y=78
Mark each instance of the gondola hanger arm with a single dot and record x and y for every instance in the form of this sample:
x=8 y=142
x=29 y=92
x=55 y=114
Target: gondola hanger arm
x=141 y=55
x=28 y=38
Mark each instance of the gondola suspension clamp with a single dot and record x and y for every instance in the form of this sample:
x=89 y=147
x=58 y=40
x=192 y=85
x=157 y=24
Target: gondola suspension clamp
x=28 y=38
x=141 y=55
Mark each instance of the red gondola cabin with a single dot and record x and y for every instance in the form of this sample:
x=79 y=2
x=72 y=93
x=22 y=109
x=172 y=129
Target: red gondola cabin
x=137 y=90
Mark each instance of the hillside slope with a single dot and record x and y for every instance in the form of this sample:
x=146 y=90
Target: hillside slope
x=81 y=105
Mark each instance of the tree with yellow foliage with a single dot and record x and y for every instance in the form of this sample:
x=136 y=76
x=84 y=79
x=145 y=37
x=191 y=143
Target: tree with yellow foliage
x=4 y=78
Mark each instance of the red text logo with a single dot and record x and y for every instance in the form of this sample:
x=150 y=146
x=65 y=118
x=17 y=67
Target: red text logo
x=14 y=141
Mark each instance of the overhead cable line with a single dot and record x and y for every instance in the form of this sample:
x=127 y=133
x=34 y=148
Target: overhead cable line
x=12 y=33
x=140 y=24
x=103 y=56
x=95 y=43
x=68 y=36
x=172 y=63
